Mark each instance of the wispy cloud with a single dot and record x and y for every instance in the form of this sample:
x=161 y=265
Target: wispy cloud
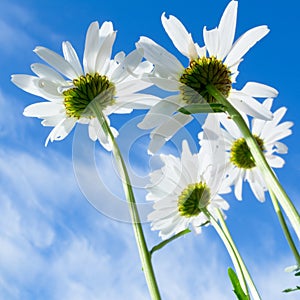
x=54 y=245
x=21 y=29
x=14 y=39
x=10 y=115
x=13 y=23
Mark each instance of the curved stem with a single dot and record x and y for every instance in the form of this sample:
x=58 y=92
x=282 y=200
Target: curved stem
x=285 y=228
x=231 y=251
x=166 y=242
x=260 y=160
x=136 y=223
x=245 y=271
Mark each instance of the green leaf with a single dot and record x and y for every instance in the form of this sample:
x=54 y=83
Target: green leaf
x=237 y=286
x=164 y=243
x=202 y=108
x=297 y=288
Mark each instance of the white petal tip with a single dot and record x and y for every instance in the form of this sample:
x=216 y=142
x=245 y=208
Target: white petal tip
x=47 y=141
x=37 y=49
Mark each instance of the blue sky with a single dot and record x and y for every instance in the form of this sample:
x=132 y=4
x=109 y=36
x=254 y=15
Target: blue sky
x=53 y=243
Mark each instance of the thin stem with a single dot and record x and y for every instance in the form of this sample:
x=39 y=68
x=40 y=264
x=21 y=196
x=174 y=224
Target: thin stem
x=245 y=271
x=285 y=228
x=231 y=251
x=166 y=242
x=136 y=223
x=260 y=160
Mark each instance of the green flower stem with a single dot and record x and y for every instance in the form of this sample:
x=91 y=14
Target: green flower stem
x=260 y=160
x=137 y=226
x=245 y=271
x=166 y=242
x=231 y=251
x=285 y=228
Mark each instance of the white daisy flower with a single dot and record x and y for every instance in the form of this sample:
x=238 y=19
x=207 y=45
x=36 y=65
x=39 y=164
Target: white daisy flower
x=216 y=63
x=240 y=165
x=69 y=87
x=182 y=189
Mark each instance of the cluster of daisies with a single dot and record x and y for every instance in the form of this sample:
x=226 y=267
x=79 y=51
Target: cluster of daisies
x=187 y=189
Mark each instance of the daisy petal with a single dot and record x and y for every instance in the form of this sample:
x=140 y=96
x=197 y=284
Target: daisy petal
x=275 y=161
x=189 y=163
x=278 y=115
x=181 y=39
x=92 y=44
x=132 y=86
x=249 y=106
x=238 y=188
x=159 y=112
x=159 y=56
x=257 y=126
x=259 y=90
x=211 y=40
x=143 y=67
x=212 y=144
x=61 y=130
x=36 y=86
x=165 y=83
x=104 y=54
x=43 y=109
x=244 y=43
x=201 y=51
x=71 y=56
x=164 y=132
x=56 y=61
x=227 y=28
x=270 y=127
x=257 y=184
x=280 y=132
x=119 y=57
x=230 y=126
x=53 y=120
x=105 y=30
x=96 y=132
x=44 y=71
x=129 y=64
x=135 y=101
x=257 y=190
x=281 y=148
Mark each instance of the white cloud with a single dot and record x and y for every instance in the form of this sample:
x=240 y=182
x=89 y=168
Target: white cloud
x=272 y=280
x=21 y=30
x=54 y=245
x=43 y=234
x=13 y=39
x=8 y=115
x=14 y=20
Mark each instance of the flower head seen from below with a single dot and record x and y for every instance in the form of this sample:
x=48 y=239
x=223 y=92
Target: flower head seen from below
x=240 y=164
x=183 y=189
x=216 y=63
x=69 y=88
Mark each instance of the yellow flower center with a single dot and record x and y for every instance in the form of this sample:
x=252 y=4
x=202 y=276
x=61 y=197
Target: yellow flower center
x=88 y=88
x=200 y=73
x=193 y=198
x=240 y=154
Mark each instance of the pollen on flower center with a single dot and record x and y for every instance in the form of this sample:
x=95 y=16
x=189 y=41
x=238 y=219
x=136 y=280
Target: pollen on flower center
x=200 y=73
x=240 y=154
x=86 y=89
x=193 y=198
